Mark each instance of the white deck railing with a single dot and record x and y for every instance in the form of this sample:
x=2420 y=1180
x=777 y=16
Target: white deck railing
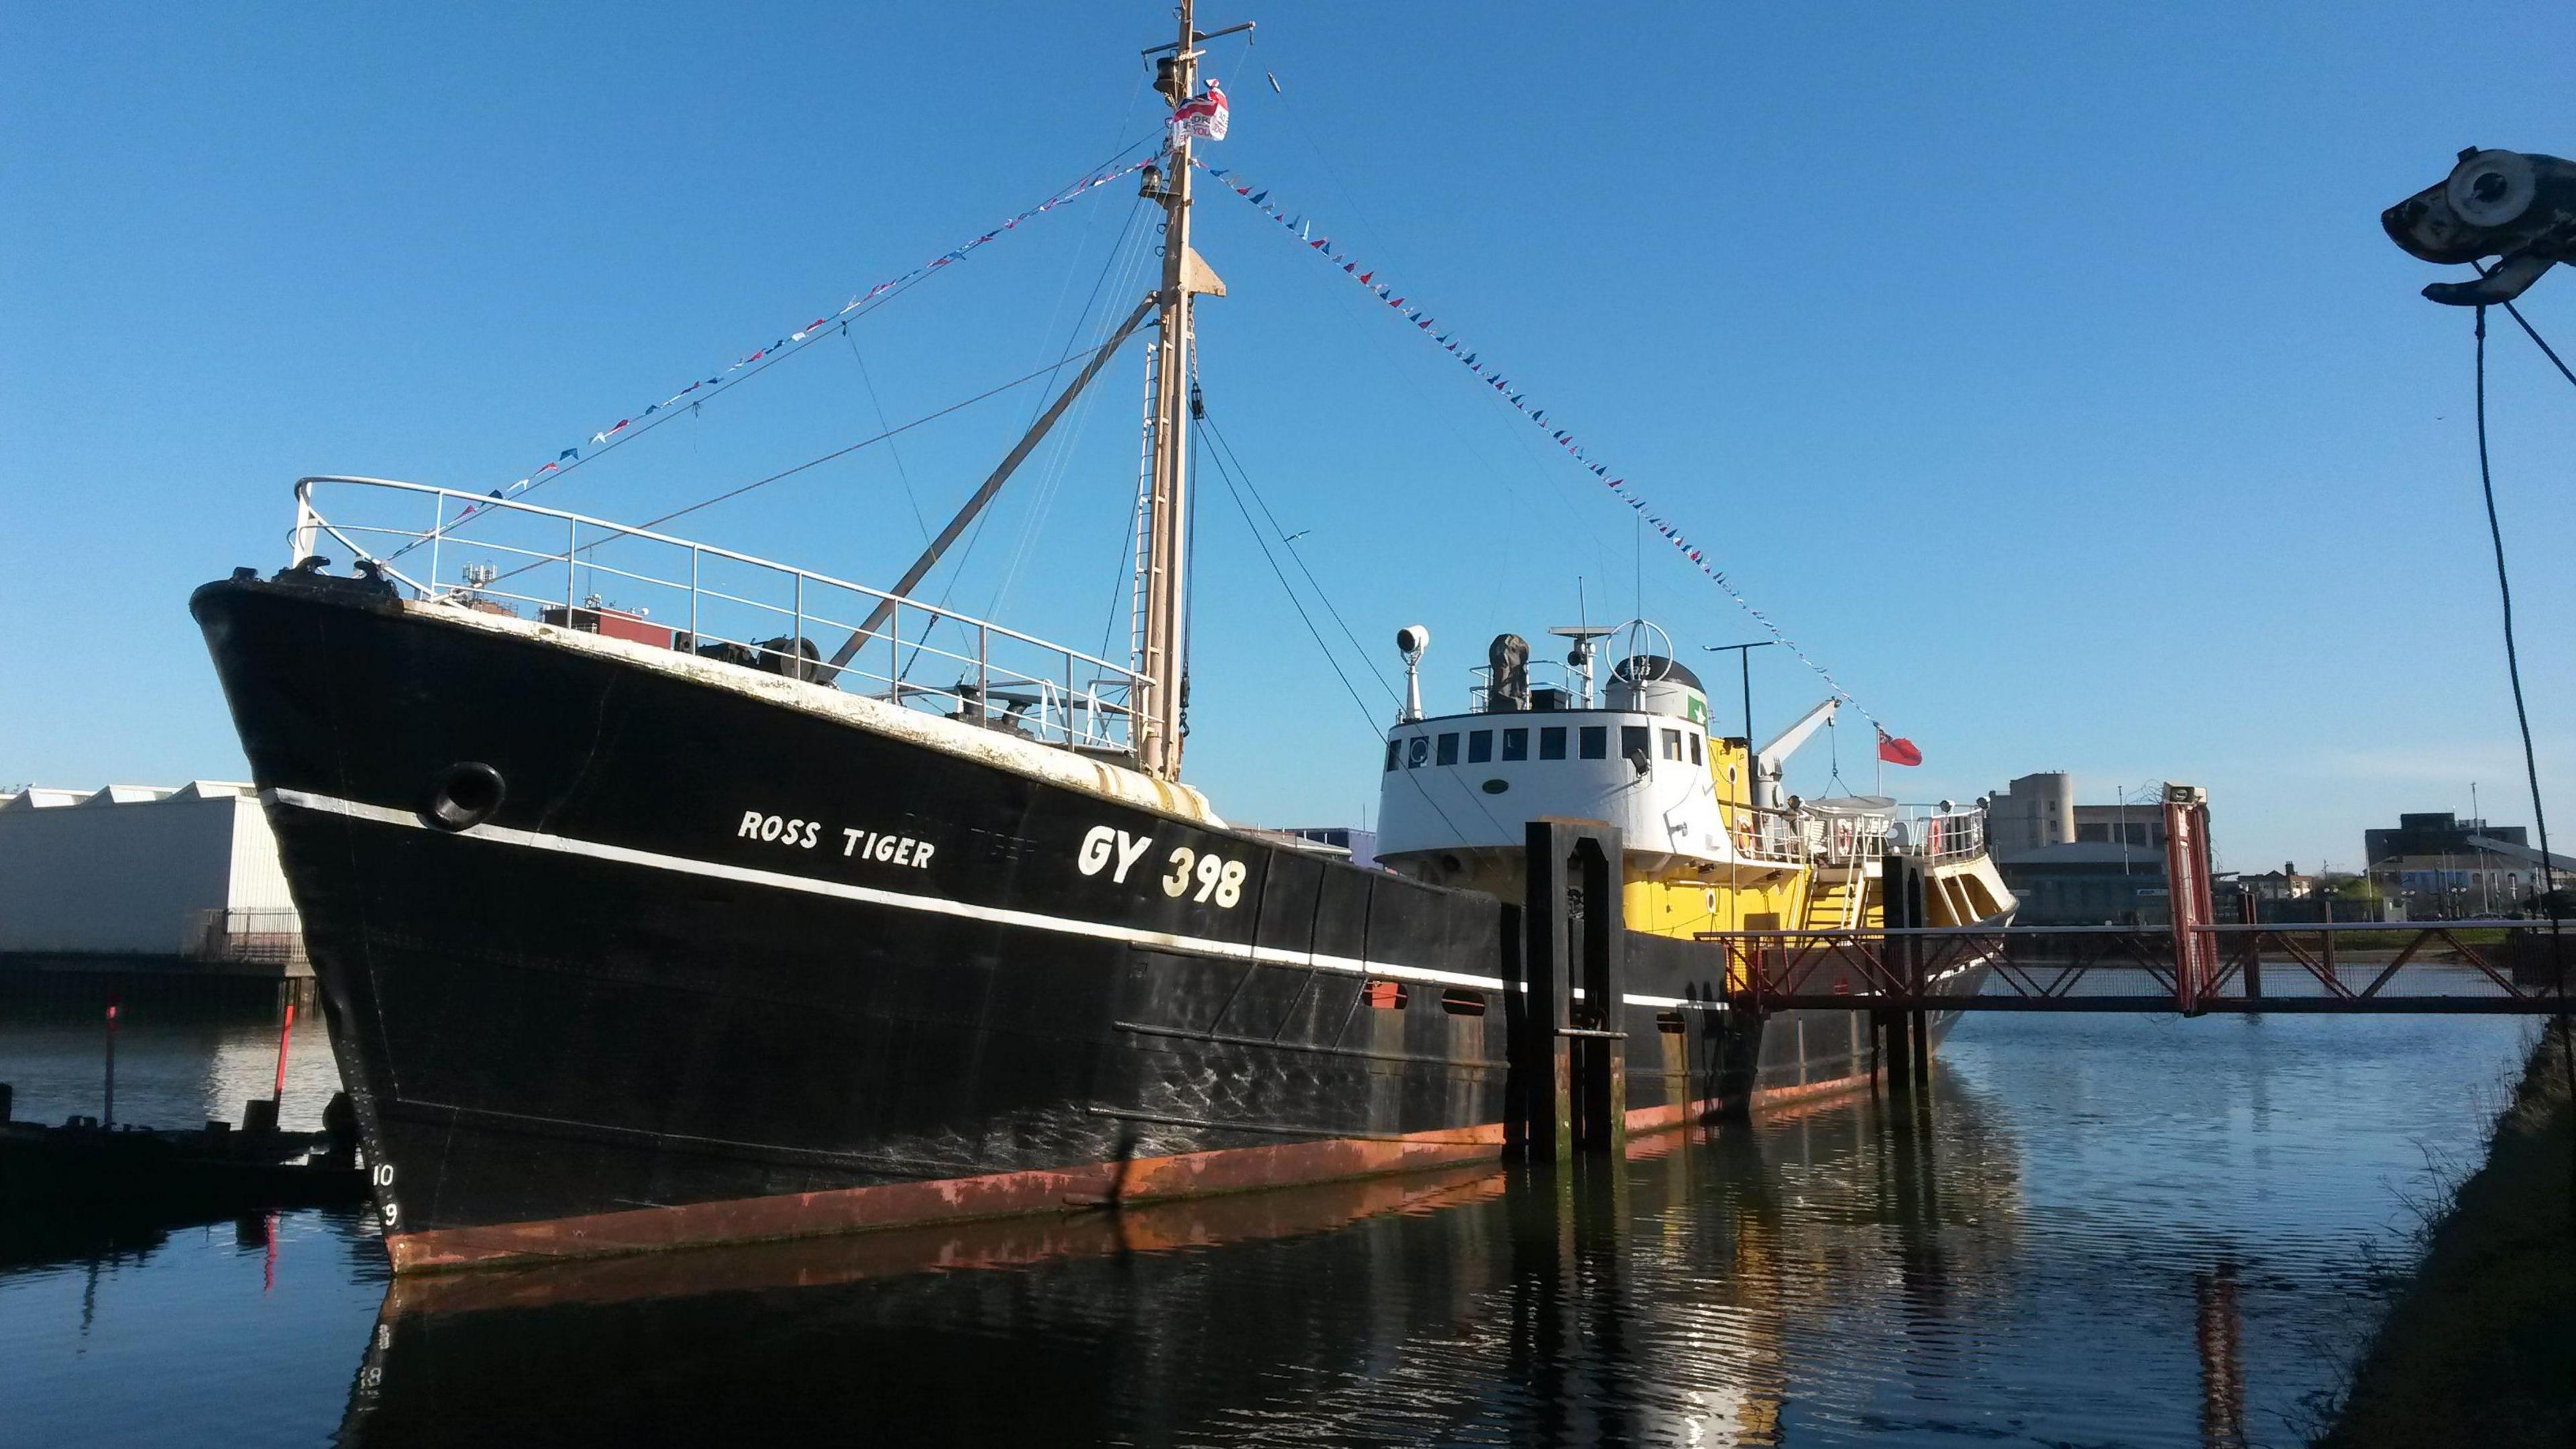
x=501 y=556
x=1931 y=831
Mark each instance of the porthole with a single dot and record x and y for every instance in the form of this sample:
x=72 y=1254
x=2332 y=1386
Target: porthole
x=1496 y=787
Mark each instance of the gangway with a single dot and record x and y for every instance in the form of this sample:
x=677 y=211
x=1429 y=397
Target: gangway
x=2348 y=967
x=2193 y=965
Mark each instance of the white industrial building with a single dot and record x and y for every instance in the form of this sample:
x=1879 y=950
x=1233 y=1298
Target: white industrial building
x=139 y=870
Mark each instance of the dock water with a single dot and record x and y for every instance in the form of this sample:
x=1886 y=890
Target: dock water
x=2094 y=1230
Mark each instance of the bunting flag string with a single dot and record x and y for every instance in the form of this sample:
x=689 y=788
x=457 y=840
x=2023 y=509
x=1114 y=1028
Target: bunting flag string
x=1447 y=340
x=860 y=303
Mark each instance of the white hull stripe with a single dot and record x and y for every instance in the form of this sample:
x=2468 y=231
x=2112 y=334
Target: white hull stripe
x=941 y=906
x=900 y=900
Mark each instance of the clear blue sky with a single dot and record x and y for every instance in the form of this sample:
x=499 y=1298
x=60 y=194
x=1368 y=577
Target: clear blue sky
x=2042 y=367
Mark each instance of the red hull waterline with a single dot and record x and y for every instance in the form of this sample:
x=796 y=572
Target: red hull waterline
x=1006 y=1194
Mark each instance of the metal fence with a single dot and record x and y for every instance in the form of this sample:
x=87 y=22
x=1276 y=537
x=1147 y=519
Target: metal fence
x=262 y=937
x=506 y=557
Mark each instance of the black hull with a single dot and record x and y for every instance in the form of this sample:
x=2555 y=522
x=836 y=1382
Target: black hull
x=606 y=1017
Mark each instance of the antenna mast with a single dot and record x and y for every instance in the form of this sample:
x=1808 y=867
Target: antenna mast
x=1155 y=718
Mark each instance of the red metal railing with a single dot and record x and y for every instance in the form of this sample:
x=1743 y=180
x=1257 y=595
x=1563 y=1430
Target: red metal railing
x=2422 y=966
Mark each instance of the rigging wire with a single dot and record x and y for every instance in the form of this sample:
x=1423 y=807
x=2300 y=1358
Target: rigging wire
x=1056 y=454
x=1190 y=557
x=1524 y=454
x=1522 y=450
x=1424 y=324
x=797 y=350
x=1321 y=593
x=1223 y=472
x=902 y=474
x=726 y=383
x=630 y=530
x=1121 y=260
x=1121 y=577
x=1126 y=259
x=1021 y=381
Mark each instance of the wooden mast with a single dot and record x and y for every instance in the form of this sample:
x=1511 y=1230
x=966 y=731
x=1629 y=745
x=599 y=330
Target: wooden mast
x=1155 y=720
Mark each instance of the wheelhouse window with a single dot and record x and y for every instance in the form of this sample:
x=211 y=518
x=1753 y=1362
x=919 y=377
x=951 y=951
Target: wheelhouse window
x=1596 y=741
x=1418 y=753
x=1672 y=744
x=1448 y=749
x=1551 y=742
x=1516 y=744
x=1394 y=753
x=1694 y=744
x=1480 y=746
x=1633 y=742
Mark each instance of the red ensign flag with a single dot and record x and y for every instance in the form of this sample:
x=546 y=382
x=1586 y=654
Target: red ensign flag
x=1897 y=750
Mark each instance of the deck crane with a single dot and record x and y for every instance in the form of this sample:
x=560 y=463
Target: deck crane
x=1768 y=760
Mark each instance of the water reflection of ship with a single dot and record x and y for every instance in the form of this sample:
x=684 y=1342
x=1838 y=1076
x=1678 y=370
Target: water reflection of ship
x=1660 y=1300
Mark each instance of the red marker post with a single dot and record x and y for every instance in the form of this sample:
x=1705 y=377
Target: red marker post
x=277 y=1094
x=107 y=1112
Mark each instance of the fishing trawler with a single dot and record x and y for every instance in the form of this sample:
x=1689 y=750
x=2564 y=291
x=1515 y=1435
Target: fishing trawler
x=818 y=906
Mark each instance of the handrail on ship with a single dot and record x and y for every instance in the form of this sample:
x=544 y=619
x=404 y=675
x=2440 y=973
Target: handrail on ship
x=1855 y=840
x=1079 y=702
